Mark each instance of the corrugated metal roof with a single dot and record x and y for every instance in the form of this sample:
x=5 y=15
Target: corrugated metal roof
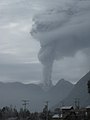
x=88 y=106
x=55 y=116
x=66 y=107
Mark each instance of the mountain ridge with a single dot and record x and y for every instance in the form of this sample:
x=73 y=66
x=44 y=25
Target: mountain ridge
x=80 y=92
x=14 y=93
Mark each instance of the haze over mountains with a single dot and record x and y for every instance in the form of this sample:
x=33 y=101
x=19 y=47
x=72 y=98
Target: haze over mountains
x=14 y=93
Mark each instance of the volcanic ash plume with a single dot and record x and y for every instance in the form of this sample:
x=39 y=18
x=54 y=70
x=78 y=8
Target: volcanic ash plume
x=61 y=32
x=46 y=56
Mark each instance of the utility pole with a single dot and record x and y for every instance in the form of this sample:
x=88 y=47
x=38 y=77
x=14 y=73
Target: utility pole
x=77 y=103
x=25 y=103
x=47 y=110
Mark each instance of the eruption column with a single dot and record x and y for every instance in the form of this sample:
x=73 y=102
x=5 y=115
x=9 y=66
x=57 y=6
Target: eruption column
x=46 y=57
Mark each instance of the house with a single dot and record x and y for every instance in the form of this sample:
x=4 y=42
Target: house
x=66 y=109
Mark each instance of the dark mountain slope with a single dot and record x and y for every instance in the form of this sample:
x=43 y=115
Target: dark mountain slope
x=59 y=91
x=80 y=92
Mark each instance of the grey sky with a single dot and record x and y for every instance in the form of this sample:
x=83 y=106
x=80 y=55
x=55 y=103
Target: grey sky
x=18 y=50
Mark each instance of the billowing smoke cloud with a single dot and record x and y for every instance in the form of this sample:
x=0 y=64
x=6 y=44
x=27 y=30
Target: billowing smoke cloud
x=62 y=32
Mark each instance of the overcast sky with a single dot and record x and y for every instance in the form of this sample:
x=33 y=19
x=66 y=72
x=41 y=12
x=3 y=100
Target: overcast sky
x=19 y=50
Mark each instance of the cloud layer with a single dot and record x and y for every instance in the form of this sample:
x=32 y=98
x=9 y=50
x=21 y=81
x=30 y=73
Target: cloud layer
x=61 y=25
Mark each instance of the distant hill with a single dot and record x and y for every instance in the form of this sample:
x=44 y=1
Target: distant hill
x=59 y=91
x=14 y=93
x=80 y=92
